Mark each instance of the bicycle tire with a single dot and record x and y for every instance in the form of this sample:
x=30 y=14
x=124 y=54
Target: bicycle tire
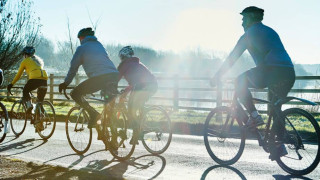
x=304 y=139
x=156 y=127
x=3 y=121
x=47 y=116
x=215 y=136
x=77 y=118
x=124 y=133
x=21 y=115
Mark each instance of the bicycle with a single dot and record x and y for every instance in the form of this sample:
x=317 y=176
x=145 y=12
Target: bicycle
x=112 y=129
x=224 y=126
x=4 y=121
x=43 y=113
x=154 y=130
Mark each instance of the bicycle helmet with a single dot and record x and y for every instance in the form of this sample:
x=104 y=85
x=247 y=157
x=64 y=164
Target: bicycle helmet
x=29 y=50
x=126 y=52
x=86 y=32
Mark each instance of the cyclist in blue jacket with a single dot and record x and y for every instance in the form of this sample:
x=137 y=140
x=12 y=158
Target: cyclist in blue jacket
x=274 y=70
x=102 y=73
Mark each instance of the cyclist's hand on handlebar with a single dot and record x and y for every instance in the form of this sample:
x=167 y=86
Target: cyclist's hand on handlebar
x=9 y=87
x=62 y=86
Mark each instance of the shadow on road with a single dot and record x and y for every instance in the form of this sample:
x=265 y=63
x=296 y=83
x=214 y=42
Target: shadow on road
x=289 y=177
x=14 y=138
x=228 y=173
x=143 y=167
x=81 y=157
x=22 y=145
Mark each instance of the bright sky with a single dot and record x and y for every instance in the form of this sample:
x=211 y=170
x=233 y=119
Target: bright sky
x=178 y=25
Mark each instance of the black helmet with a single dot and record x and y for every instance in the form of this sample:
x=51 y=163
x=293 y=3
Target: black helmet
x=252 y=9
x=86 y=32
x=29 y=50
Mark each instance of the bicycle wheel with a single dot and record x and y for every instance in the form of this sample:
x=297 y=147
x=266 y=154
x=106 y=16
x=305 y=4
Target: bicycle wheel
x=78 y=135
x=3 y=122
x=46 y=115
x=156 y=131
x=18 y=118
x=122 y=149
x=302 y=139
x=224 y=137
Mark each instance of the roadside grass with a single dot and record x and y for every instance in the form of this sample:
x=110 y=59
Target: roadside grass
x=183 y=122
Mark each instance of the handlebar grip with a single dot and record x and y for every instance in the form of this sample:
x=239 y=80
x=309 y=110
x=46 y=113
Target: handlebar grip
x=65 y=94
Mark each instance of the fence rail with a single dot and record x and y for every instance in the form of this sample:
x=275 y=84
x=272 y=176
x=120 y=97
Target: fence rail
x=175 y=86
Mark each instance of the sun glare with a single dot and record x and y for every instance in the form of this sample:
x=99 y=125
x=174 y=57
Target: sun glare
x=217 y=29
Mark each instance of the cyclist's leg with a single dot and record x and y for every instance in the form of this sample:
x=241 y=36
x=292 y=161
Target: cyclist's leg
x=42 y=90
x=138 y=97
x=279 y=85
x=89 y=86
x=31 y=85
x=253 y=78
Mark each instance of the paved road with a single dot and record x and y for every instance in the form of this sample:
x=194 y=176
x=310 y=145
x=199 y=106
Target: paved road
x=186 y=158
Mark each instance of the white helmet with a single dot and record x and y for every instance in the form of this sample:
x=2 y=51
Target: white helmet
x=126 y=52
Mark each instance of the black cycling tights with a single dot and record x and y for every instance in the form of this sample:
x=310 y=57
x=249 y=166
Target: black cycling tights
x=92 y=85
x=33 y=84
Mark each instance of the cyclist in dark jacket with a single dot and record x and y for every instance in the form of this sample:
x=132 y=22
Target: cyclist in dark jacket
x=142 y=83
x=274 y=69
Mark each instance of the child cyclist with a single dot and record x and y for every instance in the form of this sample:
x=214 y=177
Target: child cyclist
x=142 y=84
x=37 y=79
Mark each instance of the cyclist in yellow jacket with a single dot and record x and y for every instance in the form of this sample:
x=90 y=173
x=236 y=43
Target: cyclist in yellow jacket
x=37 y=77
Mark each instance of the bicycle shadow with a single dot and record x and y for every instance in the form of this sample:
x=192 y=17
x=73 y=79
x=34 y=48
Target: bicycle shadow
x=22 y=145
x=81 y=157
x=229 y=173
x=98 y=169
x=289 y=177
x=6 y=142
x=137 y=167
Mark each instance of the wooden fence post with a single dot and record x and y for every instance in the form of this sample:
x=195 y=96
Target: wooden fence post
x=219 y=94
x=176 y=92
x=51 y=87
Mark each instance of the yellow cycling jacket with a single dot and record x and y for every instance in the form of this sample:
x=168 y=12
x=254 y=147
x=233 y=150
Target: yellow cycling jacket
x=33 y=70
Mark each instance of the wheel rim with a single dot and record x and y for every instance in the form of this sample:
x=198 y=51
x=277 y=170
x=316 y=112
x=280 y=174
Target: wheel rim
x=123 y=137
x=156 y=131
x=302 y=144
x=18 y=118
x=46 y=116
x=79 y=136
x=224 y=143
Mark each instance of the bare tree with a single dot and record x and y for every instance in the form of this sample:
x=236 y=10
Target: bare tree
x=18 y=28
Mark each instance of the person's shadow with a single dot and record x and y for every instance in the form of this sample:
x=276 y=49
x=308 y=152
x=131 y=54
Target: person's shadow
x=231 y=173
x=289 y=177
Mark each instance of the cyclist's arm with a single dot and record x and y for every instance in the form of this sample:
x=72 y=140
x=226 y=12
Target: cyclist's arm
x=240 y=47
x=74 y=66
x=19 y=73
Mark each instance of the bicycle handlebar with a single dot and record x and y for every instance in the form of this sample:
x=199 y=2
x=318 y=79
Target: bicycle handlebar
x=66 y=95
x=16 y=87
x=65 y=92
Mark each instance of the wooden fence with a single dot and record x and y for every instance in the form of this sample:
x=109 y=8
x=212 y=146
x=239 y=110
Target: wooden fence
x=175 y=86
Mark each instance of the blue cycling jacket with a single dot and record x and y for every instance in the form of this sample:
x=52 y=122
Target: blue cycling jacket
x=93 y=58
x=264 y=45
